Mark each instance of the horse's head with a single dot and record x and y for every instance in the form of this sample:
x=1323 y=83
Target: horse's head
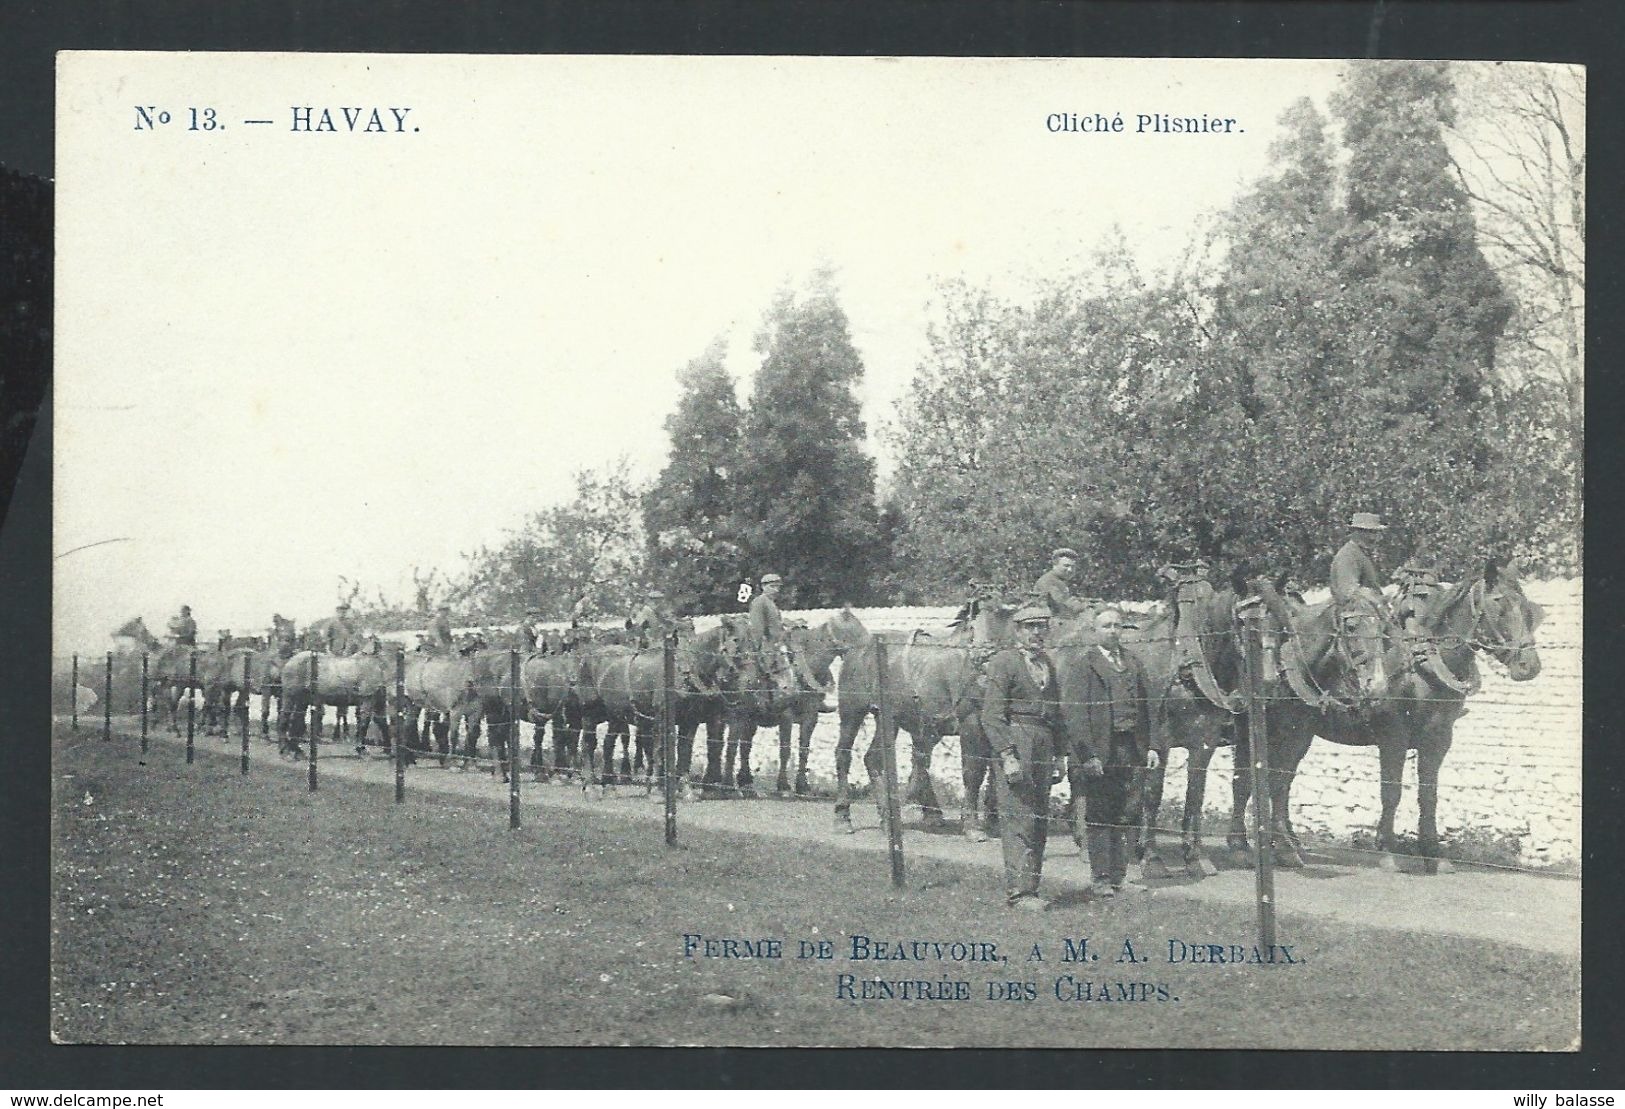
x=1360 y=642
x=1506 y=621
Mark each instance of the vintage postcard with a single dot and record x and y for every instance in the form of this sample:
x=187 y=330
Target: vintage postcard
x=810 y=551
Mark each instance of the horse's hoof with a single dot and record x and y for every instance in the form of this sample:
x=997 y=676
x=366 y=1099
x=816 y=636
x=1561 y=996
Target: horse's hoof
x=1200 y=866
x=802 y=788
x=843 y=825
x=1239 y=856
x=975 y=834
x=1287 y=858
x=1440 y=866
x=1389 y=862
x=748 y=793
x=1152 y=866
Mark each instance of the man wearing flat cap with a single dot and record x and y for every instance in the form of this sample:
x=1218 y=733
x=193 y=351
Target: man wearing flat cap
x=1054 y=588
x=1021 y=716
x=1354 y=567
x=184 y=628
x=440 y=637
x=654 y=620
x=341 y=632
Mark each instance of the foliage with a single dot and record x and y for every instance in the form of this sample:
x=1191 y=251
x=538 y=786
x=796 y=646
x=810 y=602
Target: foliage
x=592 y=546
x=693 y=545
x=805 y=495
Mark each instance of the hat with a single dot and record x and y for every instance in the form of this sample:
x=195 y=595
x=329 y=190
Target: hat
x=186 y=608
x=533 y=610
x=1367 y=521
x=656 y=594
x=1028 y=614
x=344 y=606
x=766 y=578
x=443 y=606
x=1063 y=552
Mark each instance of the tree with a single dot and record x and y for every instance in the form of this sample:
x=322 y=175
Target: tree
x=805 y=501
x=592 y=546
x=693 y=549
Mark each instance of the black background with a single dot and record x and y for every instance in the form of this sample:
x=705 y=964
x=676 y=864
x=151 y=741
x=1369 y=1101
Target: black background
x=30 y=33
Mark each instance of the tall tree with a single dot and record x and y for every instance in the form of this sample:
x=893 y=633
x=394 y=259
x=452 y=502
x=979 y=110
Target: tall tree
x=805 y=502
x=688 y=514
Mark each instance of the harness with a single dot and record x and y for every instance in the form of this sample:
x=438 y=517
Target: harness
x=1192 y=658
x=1294 y=668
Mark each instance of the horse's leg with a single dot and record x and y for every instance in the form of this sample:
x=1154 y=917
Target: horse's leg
x=1237 y=847
x=809 y=721
x=1197 y=864
x=785 y=725
x=1391 y=753
x=730 y=731
x=265 y=713
x=975 y=756
x=745 y=779
x=843 y=770
x=1146 y=825
x=1435 y=744
x=1283 y=768
x=874 y=762
x=920 y=786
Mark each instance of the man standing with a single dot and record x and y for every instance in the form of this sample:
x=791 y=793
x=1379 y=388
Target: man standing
x=1110 y=730
x=440 y=637
x=184 y=628
x=1054 y=587
x=1354 y=567
x=1021 y=718
x=341 y=637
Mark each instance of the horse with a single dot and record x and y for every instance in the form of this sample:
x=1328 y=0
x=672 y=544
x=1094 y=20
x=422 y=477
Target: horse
x=1431 y=679
x=439 y=692
x=752 y=699
x=1330 y=673
x=1192 y=659
x=934 y=688
x=361 y=680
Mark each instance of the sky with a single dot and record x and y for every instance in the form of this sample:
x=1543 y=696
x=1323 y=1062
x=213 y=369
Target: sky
x=283 y=357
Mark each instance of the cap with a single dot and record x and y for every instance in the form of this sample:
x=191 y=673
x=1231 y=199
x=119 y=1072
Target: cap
x=344 y=606
x=766 y=578
x=442 y=607
x=1367 y=521
x=1063 y=552
x=1031 y=614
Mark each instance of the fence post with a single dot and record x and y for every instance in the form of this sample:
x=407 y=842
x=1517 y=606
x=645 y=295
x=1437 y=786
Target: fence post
x=242 y=697
x=315 y=715
x=191 y=703
x=107 y=701
x=1258 y=746
x=668 y=733
x=146 y=695
x=888 y=756
x=400 y=726
x=73 y=692
x=513 y=739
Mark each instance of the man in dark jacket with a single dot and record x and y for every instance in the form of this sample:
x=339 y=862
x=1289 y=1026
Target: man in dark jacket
x=440 y=635
x=184 y=628
x=1021 y=717
x=341 y=632
x=1354 y=569
x=1111 y=741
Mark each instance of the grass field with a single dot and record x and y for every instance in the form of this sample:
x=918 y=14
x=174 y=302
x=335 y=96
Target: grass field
x=193 y=905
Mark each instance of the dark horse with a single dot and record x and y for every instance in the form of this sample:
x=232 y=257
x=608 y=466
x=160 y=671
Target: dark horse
x=755 y=700
x=1192 y=660
x=1331 y=671
x=1430 y=681
x=933 y=689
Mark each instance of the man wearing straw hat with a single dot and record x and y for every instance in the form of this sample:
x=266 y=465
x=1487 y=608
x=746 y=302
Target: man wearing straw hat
x=1354 y=567
x=1021 y=716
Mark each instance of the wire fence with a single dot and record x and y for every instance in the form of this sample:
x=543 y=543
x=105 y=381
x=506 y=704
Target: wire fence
x=1512 y=775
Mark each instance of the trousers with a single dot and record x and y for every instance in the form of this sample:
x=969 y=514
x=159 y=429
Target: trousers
x=1023 y=826
x=1110 y=804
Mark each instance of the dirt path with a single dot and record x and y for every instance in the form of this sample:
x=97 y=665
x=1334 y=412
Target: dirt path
x=1532 y=911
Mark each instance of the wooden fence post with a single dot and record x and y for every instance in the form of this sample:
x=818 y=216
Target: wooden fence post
x=1259 y=745
x=400 y=727
x=513 y=739
x=73 y=692
x=668 y=733
x=107 y=701
x=242 y=698
x=888 y=756
x=315 y=715
x=191 y=703
x=146 y=695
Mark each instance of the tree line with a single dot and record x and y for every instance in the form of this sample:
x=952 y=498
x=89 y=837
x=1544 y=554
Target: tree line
x=1389 y=319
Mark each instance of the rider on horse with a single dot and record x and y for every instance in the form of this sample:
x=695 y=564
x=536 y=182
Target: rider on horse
x=654 y=620
x=768 y=627
x=184 y=628
x=341 y=632
x=440 y=637
x=1054 y=588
